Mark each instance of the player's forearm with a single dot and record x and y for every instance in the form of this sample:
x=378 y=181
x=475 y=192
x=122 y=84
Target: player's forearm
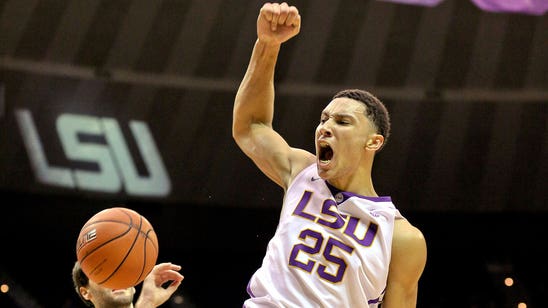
x=254 y=102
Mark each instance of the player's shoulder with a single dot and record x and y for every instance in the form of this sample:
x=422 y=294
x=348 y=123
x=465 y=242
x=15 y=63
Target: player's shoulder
x=300 y=159
x=409 y=253
x=406 y=235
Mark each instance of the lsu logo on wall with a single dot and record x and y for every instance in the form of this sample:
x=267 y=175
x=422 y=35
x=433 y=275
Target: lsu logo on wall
x=116 y=170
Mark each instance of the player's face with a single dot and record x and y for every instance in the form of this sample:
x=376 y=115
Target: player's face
x=341 y=138
x=104 y=297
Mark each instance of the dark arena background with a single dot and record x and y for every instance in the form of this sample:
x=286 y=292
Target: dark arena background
x=129 y=102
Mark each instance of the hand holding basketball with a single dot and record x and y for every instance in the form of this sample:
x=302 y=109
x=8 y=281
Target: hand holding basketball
x=117 y=248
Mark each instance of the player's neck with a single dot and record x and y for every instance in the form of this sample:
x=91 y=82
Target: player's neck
x=356 y=184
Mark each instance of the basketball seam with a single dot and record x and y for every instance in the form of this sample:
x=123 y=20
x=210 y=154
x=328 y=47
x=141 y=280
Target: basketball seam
x=130 y=248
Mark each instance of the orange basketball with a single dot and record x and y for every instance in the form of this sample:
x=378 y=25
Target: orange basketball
x=117 y=248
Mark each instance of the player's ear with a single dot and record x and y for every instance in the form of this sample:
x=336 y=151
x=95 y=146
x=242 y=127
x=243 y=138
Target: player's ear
x=84 y=292
x=374 y=142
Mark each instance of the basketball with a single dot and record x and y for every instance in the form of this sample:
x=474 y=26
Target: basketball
x=117 y=248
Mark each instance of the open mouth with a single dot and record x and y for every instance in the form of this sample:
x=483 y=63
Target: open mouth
x=325 y=153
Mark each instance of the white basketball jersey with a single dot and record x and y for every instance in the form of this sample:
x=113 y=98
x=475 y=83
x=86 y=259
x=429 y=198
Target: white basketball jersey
x=330 y=249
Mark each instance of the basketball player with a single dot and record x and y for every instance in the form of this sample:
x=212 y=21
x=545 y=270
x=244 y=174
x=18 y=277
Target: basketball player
x=153 y=294
x=337 y=244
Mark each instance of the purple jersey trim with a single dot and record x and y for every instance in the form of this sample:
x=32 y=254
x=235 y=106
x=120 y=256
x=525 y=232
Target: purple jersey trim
x=378 y=299
x=345 y=195
x=249 y=289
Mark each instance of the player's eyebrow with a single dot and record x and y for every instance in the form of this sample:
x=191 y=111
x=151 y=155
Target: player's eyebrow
x=338 y=114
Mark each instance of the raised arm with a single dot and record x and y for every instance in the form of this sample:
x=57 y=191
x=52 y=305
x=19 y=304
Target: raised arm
x=254 y=103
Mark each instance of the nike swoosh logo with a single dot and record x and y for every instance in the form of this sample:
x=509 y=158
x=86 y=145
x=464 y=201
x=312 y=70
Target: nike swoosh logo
x=314 y=179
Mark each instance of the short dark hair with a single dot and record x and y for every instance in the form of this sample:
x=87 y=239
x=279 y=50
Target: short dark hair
x=375 y=110
x=79 y=279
